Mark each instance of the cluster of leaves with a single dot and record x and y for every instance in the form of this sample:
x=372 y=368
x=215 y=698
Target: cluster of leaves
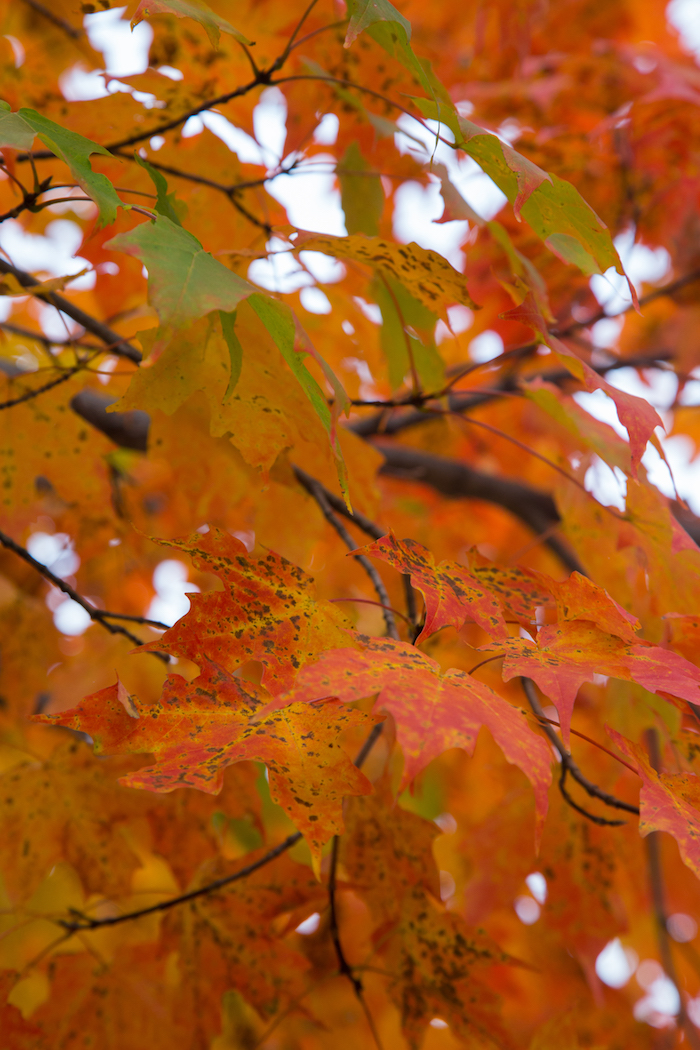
x=423 y=660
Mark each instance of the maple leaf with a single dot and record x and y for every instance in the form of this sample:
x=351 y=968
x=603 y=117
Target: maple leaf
x=197 y=729
x=667 y=802
x=451 y=594
x=568 y=654
x=433 y=713
x=267 y=612
x=437 y=963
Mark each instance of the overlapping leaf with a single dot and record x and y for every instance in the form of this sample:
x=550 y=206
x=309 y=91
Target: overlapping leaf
x=198 y=729
x=568 y=654
x=668 y=802
x=19 y=129
x=451 y=594
x=433 y=713
x=267 y=612
x=214 y=24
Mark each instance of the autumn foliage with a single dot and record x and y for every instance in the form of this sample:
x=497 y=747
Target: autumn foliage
x=427 y=739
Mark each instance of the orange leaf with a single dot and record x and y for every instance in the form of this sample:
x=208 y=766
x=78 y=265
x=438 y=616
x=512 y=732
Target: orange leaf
x=198 y=729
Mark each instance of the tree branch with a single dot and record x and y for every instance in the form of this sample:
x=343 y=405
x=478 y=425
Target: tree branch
x=67 y=28
x=569 y=766
x=656 y=883
x=115 y=343
x=98 y=615
x=456 y=480
x=30 y=394
x=320 y=494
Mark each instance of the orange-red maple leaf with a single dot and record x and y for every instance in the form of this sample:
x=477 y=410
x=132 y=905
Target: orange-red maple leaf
x=198 y=728
x=452 y=595
x=267 y=612
x=432 y=713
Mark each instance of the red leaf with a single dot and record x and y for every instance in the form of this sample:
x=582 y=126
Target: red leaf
x=432 y=713
x=199 y=728
x=568 y=654
x=267 y=612
x=451 y=594
x=667 y=802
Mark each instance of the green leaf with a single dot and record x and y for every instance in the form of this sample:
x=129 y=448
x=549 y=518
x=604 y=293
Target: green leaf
x=214 y=24
x=14 y=131
x=167 y=203
x=401 y=312
x=294 y=344
x=554 y=208
x=391 y=31
x=361 y=195
x=75 y=151
x=228 y=328
x=184 y=281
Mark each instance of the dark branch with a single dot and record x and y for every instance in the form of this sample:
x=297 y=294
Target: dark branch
x=67 y=28
x=114 y=342
x=320 y=494
x=569 y=766
x=456 y=480
x=98 y=615
x=30 y=394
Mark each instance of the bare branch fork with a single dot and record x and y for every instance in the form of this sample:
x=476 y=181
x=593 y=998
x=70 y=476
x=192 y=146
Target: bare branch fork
x=100 y=616
x=568 y=766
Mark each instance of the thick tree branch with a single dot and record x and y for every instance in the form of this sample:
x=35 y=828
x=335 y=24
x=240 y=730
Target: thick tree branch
x=320 y=494
x=116 y=344
x=458 y=481
x=98 y=615
x=569 y=766
x=658 y=896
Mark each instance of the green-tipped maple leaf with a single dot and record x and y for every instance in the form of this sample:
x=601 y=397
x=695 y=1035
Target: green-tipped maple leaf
x=199 y=728
x=433 y=713
x=267 y=612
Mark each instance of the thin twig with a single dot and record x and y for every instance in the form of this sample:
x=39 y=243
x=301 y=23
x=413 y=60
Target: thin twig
x=343 y=965
x=656 y=882
x=569 y=766
x=116 y=343
x=30 y=394
x=369 y=527
x=98 y=615
x=320 y=494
